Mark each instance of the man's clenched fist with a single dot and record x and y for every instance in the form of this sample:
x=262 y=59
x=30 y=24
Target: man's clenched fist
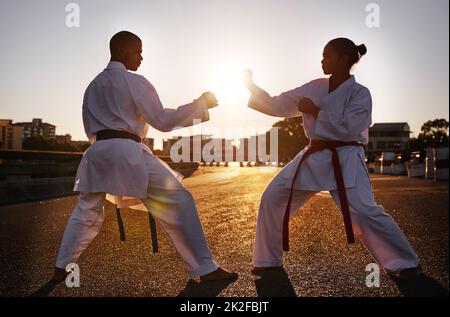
x=210 y=99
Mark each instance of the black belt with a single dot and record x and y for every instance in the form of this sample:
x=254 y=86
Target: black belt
x=116 y=134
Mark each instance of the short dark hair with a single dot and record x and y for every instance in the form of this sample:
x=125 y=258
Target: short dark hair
x=121 y=40
x=344 y=46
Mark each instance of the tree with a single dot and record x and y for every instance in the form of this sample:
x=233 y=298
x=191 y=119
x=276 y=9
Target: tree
x=39 y=143
x=434 y=134
x=291 y=138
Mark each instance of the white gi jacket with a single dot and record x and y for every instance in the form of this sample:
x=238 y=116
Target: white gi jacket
x=121 y=100
x=345 y=115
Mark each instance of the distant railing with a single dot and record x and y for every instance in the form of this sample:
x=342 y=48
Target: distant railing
x=27 y=175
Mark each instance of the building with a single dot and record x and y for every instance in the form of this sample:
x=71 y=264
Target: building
x=37 y=128
x=10 y=135
x=388 y=137
x=63 y=139
x=167 y=144
x=150 y=142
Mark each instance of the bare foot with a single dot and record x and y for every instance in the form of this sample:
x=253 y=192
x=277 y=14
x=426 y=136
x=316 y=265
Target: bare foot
x=259 y=269
x=59 y=275
x=219 y=274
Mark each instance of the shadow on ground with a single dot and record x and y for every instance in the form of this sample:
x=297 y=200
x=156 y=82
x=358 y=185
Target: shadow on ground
x=204 y=289
x=421 y=286
x=274 y=283
x=45 y=289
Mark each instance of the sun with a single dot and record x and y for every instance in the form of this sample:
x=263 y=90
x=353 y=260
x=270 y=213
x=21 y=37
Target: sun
x=227 y=85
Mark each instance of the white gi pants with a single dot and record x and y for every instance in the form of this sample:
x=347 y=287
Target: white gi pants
x=371 y=224
x=171 y=205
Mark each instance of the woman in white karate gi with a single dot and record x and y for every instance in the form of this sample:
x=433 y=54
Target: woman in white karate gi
x=117 y=108
x=336 y=116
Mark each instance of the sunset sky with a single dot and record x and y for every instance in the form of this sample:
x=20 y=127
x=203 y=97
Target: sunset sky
x=192 y=46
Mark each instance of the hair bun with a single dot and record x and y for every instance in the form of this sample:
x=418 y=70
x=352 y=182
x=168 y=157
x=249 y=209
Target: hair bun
x=362 y=49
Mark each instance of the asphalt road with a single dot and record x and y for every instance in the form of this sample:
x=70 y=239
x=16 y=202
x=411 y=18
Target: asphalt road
x=320 y=262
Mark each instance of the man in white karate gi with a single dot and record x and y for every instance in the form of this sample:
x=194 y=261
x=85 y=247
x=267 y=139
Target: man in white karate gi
x=118 y=106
